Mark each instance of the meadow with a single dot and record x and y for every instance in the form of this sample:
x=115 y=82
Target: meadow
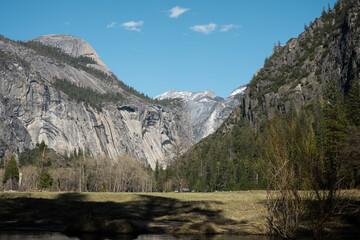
x=240 y=212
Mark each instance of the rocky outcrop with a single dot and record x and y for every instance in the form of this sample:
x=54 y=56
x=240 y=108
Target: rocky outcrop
x=208 y=111
x=32 y=109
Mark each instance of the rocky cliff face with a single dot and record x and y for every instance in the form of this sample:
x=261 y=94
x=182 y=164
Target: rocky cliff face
x=75 y=47
x=329 y=49
x=32 y=109
x=208 y=111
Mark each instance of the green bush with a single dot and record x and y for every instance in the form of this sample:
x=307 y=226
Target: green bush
x=46 y=180
x=11 y=171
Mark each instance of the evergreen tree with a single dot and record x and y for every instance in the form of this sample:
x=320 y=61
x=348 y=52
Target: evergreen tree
x=323 y=12
x=42 y=147
x=325 y=161
x=159 y=177
x=46 y=180
x=353 y=103
x=352 y=147
x=42 y=151
x=334 y=132
x=11 y=171
x=305 y=27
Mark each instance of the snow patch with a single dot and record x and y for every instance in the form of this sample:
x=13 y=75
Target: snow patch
x=237 y=91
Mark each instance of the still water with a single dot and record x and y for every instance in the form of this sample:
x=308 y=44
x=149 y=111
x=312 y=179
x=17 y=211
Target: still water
x=22 y=235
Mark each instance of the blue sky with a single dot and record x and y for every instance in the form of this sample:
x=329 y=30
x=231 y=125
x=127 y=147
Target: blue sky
x=159 y=45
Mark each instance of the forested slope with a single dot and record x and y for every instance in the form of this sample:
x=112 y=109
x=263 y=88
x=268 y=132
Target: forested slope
x=309 y=87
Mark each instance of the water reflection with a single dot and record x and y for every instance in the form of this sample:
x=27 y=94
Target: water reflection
x=21 y=235
x=33 y=235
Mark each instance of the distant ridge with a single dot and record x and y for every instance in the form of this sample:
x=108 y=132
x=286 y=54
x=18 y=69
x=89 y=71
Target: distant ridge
x=208 y=111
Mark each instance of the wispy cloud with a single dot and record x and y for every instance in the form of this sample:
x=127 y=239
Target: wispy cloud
x=205 y=29
x=111 y=25
x=225 y=28
x=175 y=12
x=67 y=23
x=133 y=26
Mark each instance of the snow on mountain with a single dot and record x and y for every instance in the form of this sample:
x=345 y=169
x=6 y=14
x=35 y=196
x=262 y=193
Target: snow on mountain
x=237 y=91
x=208 y=111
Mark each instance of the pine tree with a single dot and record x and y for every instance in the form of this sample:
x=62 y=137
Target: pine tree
x=323 y=12
x=353 y=103
x=46 y=180
x=305 y=27
x=11 y=171
x=352 y=149
x=327 y=166
x=334 y=132
x=159 y=177
x=41 y=157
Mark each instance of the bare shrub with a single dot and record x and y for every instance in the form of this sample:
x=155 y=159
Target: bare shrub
x=30 y=178
x=284 y=202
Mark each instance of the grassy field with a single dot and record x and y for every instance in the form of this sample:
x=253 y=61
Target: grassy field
x=177 y=213
x=241 y=212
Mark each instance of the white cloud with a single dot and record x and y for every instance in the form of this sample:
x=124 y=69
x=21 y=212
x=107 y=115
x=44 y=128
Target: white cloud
x=66 y=23
x=205 y=29
x=225 y=28
x=133 y=26
x=111 y=25
x=175 y=12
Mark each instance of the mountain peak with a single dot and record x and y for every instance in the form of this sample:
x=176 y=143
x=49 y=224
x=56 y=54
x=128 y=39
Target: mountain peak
x=207 y=110
x=73 y=46
x=210 y=93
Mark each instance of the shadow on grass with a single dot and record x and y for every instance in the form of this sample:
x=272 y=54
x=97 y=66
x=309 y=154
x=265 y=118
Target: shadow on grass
x=146 y=214
x=156 y=207
x=344 y=222
x=72 y=196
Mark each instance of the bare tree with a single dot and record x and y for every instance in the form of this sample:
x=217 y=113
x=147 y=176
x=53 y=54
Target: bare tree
x=179 y=175
x=30 y=178
x=285 y=204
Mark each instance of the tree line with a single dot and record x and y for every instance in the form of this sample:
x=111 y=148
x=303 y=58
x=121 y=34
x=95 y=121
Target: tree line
x=43 y=169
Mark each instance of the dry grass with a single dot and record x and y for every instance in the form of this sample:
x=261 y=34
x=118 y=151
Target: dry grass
x=221 y=212
x=246 y=208
x=176 y=213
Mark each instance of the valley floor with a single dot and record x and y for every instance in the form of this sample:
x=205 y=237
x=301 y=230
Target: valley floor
x=242 y=212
